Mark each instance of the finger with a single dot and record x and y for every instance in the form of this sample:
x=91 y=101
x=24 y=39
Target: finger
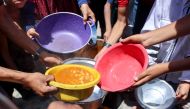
x=49 y=89
x=85 y=18
x=36 y=34
x=126 y=40
x=93 y=17
x=184 y=97
x=49 y=78
x=140 y=76
x=140 y=82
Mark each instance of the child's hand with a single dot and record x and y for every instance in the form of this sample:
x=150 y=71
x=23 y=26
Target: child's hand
x=32 y=33
x=182 y=91
x=150 y=73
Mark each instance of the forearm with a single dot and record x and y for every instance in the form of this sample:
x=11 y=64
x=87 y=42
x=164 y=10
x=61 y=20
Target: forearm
x=171 y=31
x=107 y=16
x=180 y=65
x=15 y=34
x=119 y=25
x=12 y=75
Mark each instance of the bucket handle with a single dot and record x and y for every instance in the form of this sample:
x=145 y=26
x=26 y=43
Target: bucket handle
x=93 y=34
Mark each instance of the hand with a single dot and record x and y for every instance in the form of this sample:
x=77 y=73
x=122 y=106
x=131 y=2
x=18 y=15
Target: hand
x=50 y=60
x=32 y=33
x=137 y=39
x=106 y=35
x=86 y=11
x=182 y=91
x=150 y=73
x=38 y=83
x=101 y=52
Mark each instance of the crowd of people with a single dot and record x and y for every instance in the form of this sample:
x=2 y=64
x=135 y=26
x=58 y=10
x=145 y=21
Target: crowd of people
x=162 y=26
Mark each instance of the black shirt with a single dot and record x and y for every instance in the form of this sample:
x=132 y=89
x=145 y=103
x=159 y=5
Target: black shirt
x=1 y=2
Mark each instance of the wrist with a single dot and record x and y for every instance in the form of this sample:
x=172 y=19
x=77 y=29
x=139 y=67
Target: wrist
x=38 y=53
x=106 y=44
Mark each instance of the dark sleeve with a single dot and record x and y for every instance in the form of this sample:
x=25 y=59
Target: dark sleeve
x=1 y=2
x=110 y=1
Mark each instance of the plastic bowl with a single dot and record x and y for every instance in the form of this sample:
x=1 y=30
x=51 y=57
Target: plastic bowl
x=156 y=94
x=119 y=64
x=63 y=32
x=73 y=93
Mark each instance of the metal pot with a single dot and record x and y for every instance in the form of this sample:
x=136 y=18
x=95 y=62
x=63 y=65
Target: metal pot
x=156 y=94
x=96 y=99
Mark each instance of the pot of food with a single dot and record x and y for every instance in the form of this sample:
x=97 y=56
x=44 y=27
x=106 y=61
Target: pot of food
x=95 y=100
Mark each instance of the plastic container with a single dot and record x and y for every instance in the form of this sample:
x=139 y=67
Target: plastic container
x=120 y=64
x=73 y=93
x=63 y=32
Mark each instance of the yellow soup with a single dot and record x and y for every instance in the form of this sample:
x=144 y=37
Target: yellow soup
x=73 y=76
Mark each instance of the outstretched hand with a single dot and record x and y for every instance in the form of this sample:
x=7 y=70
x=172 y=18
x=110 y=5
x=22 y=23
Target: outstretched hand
x=150 y=73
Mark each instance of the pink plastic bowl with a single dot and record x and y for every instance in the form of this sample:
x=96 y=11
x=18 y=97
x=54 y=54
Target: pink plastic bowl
x=120 y=64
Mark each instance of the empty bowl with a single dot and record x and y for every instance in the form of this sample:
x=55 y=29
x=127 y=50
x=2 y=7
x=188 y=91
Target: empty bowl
x=156 y=94
x=63 y=32
x=120 y=64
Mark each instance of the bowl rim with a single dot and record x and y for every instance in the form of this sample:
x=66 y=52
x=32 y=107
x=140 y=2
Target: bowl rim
x=79 y=86
x=140 y=46
x=148 y=106
x=70 y=51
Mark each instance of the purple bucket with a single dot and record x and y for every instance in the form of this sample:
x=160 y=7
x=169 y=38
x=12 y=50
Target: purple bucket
x=63 y=32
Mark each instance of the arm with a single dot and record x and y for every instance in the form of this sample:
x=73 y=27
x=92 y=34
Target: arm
x=159 y=69
x=107 y=18
x=116 y=31
x=119 y=25
x=19 y=37
x=36 y=81
x=176 y=29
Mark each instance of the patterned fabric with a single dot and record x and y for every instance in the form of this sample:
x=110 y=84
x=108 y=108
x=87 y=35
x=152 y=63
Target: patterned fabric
x=46 y=7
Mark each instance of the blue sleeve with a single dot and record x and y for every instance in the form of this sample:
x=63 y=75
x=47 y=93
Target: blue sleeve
x=110 y=1
x=80 y=2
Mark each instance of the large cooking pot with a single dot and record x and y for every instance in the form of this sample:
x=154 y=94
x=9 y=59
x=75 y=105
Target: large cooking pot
x=95 y=100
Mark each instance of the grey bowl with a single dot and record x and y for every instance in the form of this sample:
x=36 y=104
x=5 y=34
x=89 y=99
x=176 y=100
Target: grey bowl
x=156 y=94
x=80 y=60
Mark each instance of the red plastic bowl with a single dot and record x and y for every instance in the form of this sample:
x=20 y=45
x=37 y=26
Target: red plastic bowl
x=120 y=64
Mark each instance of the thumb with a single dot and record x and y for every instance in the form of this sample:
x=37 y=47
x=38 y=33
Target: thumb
x=49 y=78
x=140 y=76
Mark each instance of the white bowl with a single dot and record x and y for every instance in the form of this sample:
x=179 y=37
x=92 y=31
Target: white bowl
x=156 y=94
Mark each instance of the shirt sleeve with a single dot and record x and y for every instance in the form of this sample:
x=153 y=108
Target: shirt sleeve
x=122 y=3
x=80 y=2
x=185 y=76
x=110 y=1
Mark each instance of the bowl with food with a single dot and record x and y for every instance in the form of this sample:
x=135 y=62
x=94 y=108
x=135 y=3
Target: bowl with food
x=75 y=82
